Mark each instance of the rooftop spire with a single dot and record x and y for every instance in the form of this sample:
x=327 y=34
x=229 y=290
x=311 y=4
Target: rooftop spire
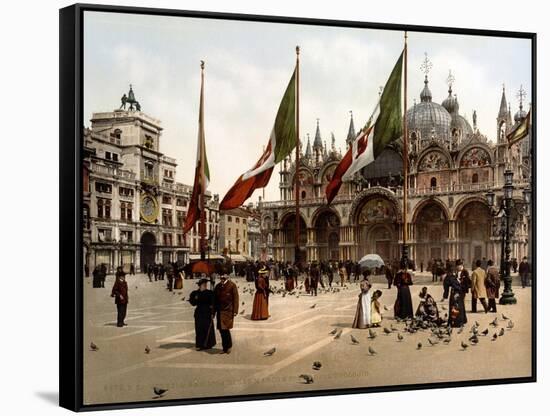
x=308 y=148
x=317 y=142
x=426 y=66
x=503 y=111
x=351 y=130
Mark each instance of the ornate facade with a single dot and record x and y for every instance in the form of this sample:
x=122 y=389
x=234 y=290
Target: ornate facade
x=134 y=209
x=451 y=168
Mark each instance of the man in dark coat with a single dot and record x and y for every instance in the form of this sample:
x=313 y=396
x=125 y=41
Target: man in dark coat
x=103 y=274
x=492 y=283
x=524 y=270
x=120 y=293
x=170 y=276
x=314 y=275
x=226 y=303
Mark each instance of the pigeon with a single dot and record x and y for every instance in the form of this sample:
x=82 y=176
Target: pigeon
x=485 y=332
x=159 y=392
x=393 y=328
x=495 y=336
x=387 y=331
x=495 y=322
x=446 y=341
x=93 y=347
x=270 y=352
x=372 y=334
x=353 y=340
x=372 y=351
x=313 y=306
x=501 y=333
x=505 y=317
x=419 y=346
x=400 y=337
x=333 y=332
x=386 y=308
x=183 y=298
x=474 y=339
x=432 y=343
x=307 y=378
x=476 y=323
x=147 y=349
x=510 y=325
x=242 y=304
x=317 y=365
x=338 y=335
x=460 y=330
x=463 y=345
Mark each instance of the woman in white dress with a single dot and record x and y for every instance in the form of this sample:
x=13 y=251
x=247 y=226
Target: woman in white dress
x=363 y=313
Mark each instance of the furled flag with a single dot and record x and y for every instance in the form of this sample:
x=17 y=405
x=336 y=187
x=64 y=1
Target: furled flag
x=520 y=131
x=281 y=142
x=383 y=126
x=202 y=173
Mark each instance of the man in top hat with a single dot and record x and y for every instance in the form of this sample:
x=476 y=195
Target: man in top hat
x=120 y=293
x=226 y=304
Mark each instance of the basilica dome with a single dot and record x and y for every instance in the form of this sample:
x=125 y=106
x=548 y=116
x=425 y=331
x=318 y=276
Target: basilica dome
x=428 y=117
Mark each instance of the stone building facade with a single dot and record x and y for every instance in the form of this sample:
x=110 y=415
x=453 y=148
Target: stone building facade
x=452 y=165
x=134 y=209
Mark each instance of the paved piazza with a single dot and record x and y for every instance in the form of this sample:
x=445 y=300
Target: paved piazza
x=120 y=371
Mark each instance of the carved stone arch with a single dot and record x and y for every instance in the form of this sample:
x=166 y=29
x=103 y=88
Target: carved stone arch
x=432 y=200
x=433 y=150
x=464 y=202
x=303 y=168
x=321 y=210
x=490 y=153
x=369 y=193
x=326 y=167
x=291 y=212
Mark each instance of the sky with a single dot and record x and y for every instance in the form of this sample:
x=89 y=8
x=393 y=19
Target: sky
x=249 y=64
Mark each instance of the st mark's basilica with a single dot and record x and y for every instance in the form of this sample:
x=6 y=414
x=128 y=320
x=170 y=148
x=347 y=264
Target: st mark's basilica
x=452 y=165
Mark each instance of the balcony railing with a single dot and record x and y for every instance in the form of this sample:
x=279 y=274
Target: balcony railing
x=114 y=172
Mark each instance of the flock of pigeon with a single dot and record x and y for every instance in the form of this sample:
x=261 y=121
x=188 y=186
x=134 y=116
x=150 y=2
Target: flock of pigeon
x=436 y=334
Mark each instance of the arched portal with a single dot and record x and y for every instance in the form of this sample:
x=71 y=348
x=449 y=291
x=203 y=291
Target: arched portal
x=147 y=251
x=288 y=235
x=474 y=231
x=327 y=226
x=431 y=231
x=377 y=228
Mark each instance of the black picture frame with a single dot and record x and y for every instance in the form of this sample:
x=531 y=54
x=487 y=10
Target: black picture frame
x=71 y=117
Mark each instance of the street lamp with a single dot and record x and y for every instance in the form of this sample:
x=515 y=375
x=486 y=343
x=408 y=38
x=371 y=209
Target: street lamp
x=506 y=228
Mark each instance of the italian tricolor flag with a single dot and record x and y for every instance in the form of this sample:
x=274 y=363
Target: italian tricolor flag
x=282 y=141
x=202 y=172
x=384 y=126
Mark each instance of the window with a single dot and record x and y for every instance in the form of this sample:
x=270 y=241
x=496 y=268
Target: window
x=116 y=136
x=103 y=208
x=229 y=219
x=125 y=191
x=104 y=235
x=148 y=172
x=180 y=202
x=123 y=211
x=475 y=178
x=167 y=217
x=126 y=236
x=180 y=218
x=148 y=142
x=108 y=155
x=237 y=233
x=237 y=220
x=166 y=199
x=167 y=239
x=229 y=231
x=181 y=240
x=244 y=220
x=103 y=187
x=433 y=182
x=115 y=157
x=303 y=194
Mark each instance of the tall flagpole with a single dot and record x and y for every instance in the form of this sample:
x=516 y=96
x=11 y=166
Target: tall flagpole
x=202 y=223
x=296 y=179
x=405 y=247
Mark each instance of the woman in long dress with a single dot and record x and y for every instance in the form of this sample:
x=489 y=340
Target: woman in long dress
x=362 y=318
x=203 y=300
x=403 y=308
x=260 y=309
